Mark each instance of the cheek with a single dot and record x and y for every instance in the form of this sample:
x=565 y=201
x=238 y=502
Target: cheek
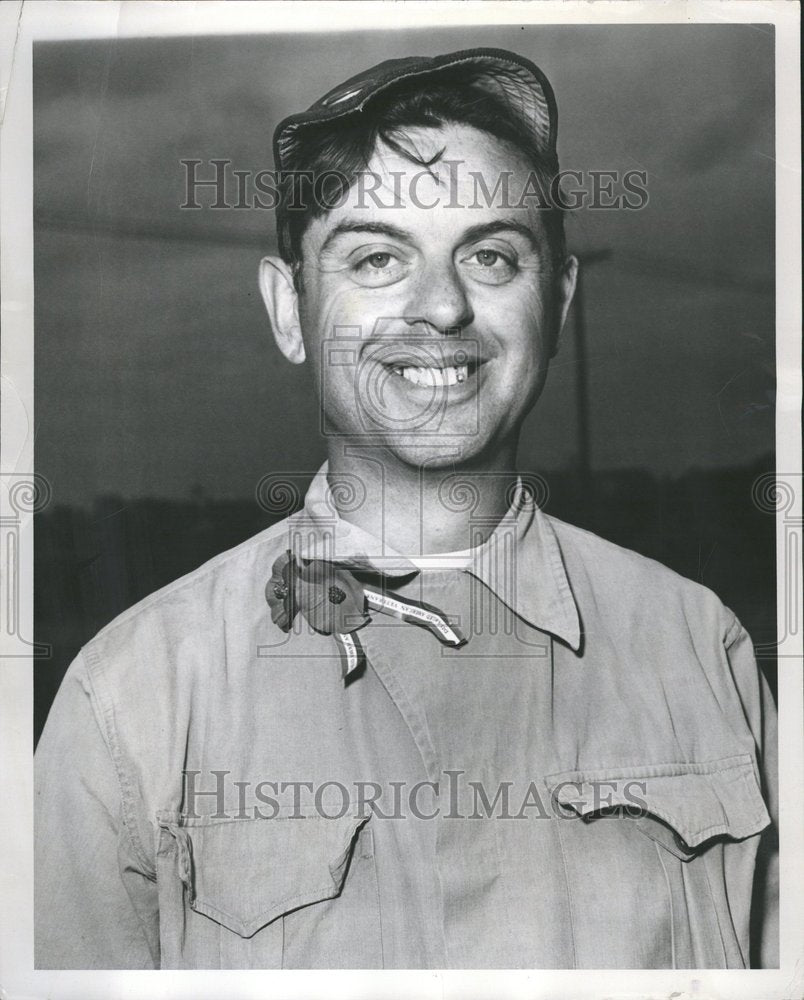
x=521 y=325
x=339 y=312
x=334 y=322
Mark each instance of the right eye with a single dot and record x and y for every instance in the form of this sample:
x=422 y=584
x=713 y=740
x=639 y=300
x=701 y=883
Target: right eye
x=376 y=260
x=377 y=268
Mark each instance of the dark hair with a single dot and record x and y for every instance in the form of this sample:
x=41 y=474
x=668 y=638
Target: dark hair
x=333 y=154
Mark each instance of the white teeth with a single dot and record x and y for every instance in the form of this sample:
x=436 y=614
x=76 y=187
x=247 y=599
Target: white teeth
x=434 y=377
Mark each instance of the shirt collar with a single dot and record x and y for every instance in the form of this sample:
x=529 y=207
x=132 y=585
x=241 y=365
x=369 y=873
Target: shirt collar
x=520 y=560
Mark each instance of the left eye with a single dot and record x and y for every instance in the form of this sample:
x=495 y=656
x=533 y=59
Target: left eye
x=491 y=266
x=376 y=261
x=488 y=258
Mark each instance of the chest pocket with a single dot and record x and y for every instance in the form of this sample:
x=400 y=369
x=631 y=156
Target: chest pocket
x=660 y=844
x=267 y=893
x=681 y=806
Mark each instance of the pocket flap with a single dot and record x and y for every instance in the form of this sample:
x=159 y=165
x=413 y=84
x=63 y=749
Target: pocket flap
x=244 y=873
x=697 y=801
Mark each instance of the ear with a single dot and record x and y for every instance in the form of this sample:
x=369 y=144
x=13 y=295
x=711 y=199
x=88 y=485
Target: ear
x=282 y=304
x=565 y=290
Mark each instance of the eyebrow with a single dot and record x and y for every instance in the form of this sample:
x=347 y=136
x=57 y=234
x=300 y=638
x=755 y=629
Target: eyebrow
x=497 y=226
x=375 y=228
x=471 y=235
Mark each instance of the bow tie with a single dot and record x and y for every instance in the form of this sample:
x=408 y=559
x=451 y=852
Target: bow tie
x=335 y=603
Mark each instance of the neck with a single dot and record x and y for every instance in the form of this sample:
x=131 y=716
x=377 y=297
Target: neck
x=423 y=510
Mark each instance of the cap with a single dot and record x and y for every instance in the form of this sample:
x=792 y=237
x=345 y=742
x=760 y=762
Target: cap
x=503 y=74
x=507 y=76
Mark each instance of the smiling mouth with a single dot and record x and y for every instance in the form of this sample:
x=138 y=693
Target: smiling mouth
x=435 y=377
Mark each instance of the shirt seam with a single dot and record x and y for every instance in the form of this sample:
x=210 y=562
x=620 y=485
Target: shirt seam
x=421 y=739
x=673 y=957
x=740 y=761
x=715 y=909
x=568 y=887
x=736 y=628
x=92 y=660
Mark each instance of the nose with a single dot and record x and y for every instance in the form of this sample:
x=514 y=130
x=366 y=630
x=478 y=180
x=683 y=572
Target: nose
x=439 y=299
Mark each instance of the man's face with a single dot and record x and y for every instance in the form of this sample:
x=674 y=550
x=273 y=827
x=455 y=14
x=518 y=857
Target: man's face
x=430 y=328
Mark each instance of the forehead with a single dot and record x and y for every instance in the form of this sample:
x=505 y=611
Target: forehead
x=438 y=183
x=444 y=152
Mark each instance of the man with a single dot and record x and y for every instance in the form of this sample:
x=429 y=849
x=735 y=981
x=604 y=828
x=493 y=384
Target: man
x=419 y=724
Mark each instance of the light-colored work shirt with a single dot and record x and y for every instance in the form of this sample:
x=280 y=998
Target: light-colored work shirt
x=587 y=782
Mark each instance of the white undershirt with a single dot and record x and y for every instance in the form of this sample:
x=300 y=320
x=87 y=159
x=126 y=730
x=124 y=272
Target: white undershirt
x=457 y=560
x=444 y=560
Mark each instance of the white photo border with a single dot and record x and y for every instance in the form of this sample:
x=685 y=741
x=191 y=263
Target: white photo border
x=23 y=24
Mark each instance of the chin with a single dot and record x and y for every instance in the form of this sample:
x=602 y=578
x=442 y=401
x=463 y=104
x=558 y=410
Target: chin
x=437 y=452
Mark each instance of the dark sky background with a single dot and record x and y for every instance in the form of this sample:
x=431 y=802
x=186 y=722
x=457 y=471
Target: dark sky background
x=155 y=369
